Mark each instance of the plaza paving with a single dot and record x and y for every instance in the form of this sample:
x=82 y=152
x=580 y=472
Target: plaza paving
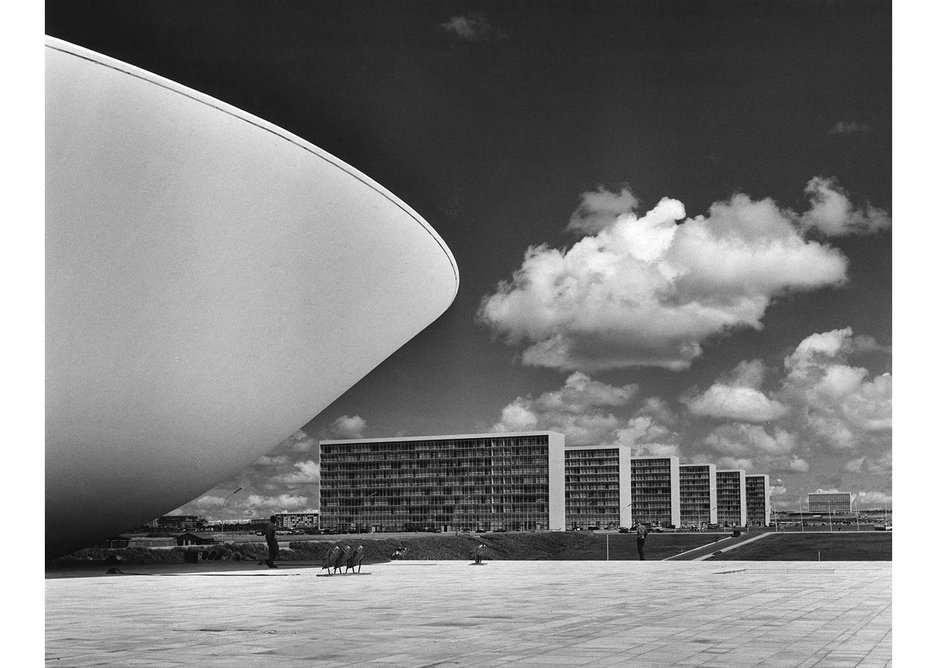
x=528 y=613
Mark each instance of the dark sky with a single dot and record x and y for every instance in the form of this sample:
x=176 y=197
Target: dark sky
x=493 y=119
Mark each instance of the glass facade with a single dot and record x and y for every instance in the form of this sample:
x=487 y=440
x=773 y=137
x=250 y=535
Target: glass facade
x=697 y=494
x=593 y=488
x=655 y=490
x=757 y=500
x=444 y=483
x=730 y=498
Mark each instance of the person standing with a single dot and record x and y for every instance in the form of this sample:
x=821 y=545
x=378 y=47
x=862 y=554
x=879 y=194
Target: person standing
x=641 y=531
x=270 y=533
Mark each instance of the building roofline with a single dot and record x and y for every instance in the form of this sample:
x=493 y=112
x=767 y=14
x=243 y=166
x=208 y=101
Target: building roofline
x=595 y=447
x=437 y=437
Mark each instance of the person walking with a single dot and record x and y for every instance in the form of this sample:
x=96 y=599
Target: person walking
x=270 y=533
x=641 y=531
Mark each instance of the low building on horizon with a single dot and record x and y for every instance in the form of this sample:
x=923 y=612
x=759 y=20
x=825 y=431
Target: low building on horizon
x=830 y=502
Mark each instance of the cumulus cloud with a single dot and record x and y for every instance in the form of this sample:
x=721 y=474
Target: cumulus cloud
x=303 y=473
x=267 y=505
x=834 y=215
x=737 y=397
x=599 y=209
x=741 y=439
x=838 y=405
x=473 y=28
x=849 y=128
x=873 y=465
x=349 y=426
x=645 y=291
x=579 y=410
x=649 y=431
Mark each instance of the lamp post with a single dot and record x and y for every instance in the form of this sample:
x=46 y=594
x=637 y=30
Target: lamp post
x=223 y=503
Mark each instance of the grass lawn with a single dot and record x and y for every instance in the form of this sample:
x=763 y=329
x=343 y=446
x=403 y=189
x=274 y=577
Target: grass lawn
x=815 y=546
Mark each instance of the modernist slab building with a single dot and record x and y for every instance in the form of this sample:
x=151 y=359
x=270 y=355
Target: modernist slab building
x=511 y=481
x=698 y=494
x=655 y=490
x=829 y=502
x=758 y=500
x=598 y=487
x=731 y=505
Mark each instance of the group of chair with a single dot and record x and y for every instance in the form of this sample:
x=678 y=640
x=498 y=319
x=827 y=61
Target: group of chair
x=343 y=556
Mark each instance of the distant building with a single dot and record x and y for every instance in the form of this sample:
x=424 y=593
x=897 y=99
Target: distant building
x=655 y=490
x=298 y=520
x=179 y=523
x=507 y=481
x=598 y=487
x=758 y=500
x=731 y=504
x=829 y=502
x=698 y=494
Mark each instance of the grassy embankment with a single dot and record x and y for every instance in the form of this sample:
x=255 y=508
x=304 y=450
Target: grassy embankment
x=558 y=546
x=815 y=546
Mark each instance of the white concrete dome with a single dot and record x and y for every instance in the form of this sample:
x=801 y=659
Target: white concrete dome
x=212 y=283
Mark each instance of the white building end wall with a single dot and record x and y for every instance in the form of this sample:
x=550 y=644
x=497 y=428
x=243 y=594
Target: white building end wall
x=744 y=498
x=675 y=491
x=557 y=480
x=713 y=509
x=624 y=486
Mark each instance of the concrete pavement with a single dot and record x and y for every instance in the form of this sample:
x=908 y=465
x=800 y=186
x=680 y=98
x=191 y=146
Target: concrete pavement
x=525 y=613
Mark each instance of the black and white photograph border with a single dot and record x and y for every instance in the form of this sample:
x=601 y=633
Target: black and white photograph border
x=671 y=229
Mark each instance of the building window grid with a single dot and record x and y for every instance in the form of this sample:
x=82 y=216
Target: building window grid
x=507 y=484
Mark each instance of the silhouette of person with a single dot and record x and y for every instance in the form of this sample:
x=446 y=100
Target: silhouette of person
x=641 y=531
x=270 y=533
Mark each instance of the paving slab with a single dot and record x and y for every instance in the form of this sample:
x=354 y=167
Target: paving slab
x=534 y=613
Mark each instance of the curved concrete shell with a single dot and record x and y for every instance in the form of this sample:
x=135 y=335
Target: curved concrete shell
x=212 y=283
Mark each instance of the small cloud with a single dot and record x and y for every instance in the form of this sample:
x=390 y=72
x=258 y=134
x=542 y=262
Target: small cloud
x=349 y=426
x=737 y=397
x=834 y=215
x=472 y=28
x=849 y=128
x=304 y=473
x=579 y=409
x=599 y=209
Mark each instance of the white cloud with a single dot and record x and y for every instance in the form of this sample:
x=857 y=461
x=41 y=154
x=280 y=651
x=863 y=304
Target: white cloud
x=599 y=209
x=649 y=433
x=645 y=291
x=472 y=28
x=741 y=439
x=833 y=214
x=736 y=403
x=578 y=410
x=874 y=465
x=873 y=499
x=303 y=473
x=267 y=505
x=737 y=397
x=349 y=426
x=849 y=128
x=837 y=405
